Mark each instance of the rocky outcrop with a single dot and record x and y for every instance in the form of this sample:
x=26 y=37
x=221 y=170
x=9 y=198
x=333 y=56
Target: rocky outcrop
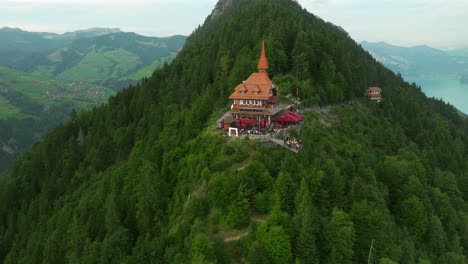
x=220 y=7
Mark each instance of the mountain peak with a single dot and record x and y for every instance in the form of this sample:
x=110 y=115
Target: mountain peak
x=11 y=29
x=90 y=32
x=379 y=43
x=220 y=7
x=98 y=29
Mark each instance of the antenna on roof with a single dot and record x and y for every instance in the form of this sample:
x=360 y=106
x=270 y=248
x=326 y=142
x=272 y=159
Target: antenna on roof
x=297 y=72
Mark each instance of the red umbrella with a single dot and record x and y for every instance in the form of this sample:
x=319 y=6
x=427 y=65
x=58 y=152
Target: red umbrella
x=295 y=114
x=288 y=118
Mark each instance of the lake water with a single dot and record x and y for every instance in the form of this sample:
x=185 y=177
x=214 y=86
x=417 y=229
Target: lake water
x=451 y=90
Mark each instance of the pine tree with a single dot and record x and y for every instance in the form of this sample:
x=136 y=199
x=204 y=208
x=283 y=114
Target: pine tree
x=306 y=227
x=340 y=237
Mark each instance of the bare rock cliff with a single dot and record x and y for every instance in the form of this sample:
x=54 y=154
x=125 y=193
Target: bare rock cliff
x=220 y=7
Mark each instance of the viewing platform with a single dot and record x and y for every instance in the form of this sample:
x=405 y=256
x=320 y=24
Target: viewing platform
x=281 y=143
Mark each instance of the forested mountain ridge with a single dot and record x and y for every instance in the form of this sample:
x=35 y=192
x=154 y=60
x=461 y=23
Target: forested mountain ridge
x=146 y=179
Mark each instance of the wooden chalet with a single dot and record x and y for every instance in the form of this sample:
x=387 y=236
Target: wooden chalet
x=374 y=93
x=255 y=98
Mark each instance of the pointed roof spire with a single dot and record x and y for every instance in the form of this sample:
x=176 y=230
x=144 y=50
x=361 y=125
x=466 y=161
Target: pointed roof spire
x=263 y=62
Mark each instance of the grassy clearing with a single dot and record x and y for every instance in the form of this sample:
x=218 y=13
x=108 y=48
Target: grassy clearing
x=50 y=92
x=7 y=110
x=32 y=86
x=101 y=65
x=44 y=71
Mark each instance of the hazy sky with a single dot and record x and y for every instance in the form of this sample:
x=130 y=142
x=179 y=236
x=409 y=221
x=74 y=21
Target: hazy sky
x=438 y=23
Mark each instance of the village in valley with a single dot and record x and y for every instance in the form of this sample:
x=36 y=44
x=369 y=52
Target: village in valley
x=257 y=113
x=77 y=90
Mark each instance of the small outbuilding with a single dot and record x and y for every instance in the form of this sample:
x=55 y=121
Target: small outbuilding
x=374 y=93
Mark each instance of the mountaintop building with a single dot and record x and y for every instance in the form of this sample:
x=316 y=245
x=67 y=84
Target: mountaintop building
x=255 y=98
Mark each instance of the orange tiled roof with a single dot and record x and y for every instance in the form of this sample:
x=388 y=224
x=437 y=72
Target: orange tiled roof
x=256 y=87
x=374 y=89
x=263 y=62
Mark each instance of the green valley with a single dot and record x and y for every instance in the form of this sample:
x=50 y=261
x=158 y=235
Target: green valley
x=43 y=87
x=48 y=92
x=31 y=105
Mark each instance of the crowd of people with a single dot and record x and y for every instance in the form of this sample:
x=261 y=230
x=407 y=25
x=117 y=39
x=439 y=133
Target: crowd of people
x=293 y=143
x=252 y=131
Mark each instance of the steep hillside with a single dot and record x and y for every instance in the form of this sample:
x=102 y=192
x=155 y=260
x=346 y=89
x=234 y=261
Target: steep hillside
x=113 y=60
x=148 y=179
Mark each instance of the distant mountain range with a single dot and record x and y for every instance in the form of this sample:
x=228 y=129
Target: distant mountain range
x=43 y=76
x=101 y=56
x=17 y=44
x=84 y=33
x=420 y=61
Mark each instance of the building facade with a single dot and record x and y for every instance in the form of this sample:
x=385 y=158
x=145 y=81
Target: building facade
x=374 y=93
x=256 y=97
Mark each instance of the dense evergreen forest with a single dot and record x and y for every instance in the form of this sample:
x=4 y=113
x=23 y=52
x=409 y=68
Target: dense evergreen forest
x=147 y=178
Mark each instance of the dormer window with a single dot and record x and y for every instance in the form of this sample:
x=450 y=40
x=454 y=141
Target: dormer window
x=256 y=89
x=243 y=89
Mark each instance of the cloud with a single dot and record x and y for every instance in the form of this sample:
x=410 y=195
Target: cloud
x=147 y=17
x=437 y=23
x=31 y=5
x=314 y=2
x=433 y=22
x=109 y=3
x=35 y=27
